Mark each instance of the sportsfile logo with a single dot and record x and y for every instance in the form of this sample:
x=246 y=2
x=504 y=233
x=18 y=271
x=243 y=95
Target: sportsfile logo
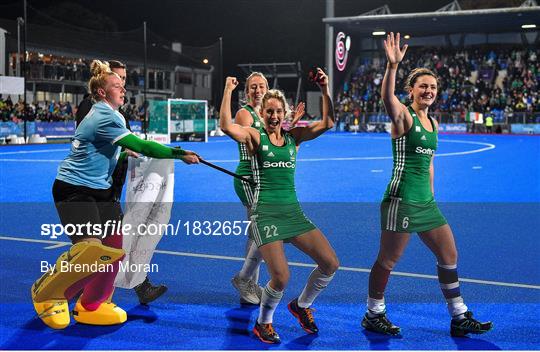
x=281 y=164
x=427 y=151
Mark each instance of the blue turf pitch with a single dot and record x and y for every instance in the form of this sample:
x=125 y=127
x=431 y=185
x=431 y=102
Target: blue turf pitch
x=487 y=186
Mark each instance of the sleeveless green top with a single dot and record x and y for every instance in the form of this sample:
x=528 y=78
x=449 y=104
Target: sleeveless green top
x=412 y=154
x=273 y=170
x=244 y=166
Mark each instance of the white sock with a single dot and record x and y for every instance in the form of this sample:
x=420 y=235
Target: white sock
x=375 y=306
x=250 y=269
x=269 y=301
x=317 y=282
x=457 y=308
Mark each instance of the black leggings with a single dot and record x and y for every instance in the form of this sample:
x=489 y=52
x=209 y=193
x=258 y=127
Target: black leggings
x=80 y=205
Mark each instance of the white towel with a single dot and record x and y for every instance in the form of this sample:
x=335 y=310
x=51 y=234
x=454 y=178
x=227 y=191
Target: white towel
x=149 y=198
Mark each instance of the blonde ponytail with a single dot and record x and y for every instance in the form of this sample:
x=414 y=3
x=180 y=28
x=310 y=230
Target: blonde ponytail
x=100 y=71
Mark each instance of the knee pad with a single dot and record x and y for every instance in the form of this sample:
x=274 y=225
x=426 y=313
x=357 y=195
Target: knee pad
x=80 y=261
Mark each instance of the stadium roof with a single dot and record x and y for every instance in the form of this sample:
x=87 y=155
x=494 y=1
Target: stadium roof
x=90 y=45
x=421 y=24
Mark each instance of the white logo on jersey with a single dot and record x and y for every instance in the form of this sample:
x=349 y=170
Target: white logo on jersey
x=76 y=143
x=257 y=124
x=265 y=147
x=271 y=154
x=423 y=138
x=284 y=164
x=291 y=151
x=427 y=151
x=417 y=129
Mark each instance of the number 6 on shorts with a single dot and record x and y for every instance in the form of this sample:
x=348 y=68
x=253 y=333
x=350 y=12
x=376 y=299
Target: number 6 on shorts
x=405 y=222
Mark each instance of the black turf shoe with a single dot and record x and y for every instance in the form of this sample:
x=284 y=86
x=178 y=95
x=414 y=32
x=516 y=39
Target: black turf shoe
x=468 y=325
x=266 y=333
x=147 y=292
x=380 y=324
x=304 y=316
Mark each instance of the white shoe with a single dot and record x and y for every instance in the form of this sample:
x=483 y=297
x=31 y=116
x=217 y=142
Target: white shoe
x=250 y=292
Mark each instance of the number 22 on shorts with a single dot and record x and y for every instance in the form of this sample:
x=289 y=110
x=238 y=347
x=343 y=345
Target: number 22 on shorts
x=271 y=231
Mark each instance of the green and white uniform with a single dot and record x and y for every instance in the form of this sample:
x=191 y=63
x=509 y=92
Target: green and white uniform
x=408 y=204
x=244 y=190
x=276 y=214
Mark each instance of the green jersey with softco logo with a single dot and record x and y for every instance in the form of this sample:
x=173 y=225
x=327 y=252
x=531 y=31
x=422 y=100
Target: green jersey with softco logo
x=273 y=171
x=412 y=154
x=244 y=166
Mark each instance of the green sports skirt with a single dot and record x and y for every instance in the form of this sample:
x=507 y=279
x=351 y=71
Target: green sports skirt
x=278 y=222
x=399 y=216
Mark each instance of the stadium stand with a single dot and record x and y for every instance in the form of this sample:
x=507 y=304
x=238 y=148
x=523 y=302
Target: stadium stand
x=493 y=81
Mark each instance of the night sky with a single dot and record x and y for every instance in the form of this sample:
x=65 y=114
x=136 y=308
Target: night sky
x=252 y=31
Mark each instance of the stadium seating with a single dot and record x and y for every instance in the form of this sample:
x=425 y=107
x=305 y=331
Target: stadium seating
x=502 y=82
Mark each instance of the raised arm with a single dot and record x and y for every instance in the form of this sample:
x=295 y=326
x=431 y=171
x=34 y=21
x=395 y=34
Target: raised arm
x=243 y=118
x=233 y=130
x=297 y=112
x=393 y=106
x=317 y=128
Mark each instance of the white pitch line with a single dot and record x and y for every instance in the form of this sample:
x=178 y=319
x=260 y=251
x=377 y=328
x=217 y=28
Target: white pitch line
x=306 y=265
x=35 y=151
x=488 y=146
x=352 y=158
x=32 y=160
x=63 y=244
x=477 y=167
x=376 y=170
x=18 y=239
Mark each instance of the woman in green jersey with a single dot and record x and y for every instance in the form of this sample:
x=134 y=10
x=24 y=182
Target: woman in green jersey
x=408 y=205
x=246 y=280
x=276 y=215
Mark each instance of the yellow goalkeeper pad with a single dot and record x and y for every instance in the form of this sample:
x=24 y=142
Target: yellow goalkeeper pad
x=80 y=261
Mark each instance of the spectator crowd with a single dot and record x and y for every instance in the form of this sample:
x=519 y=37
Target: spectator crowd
x=492 y=81
x=69 y=70
x=52 y=111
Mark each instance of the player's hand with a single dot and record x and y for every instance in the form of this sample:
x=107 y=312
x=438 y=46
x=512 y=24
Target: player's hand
x=132 y=154
x=190 y=157
x=231 y=83
x=298 y=112
x=391 y=47
x=322 y=81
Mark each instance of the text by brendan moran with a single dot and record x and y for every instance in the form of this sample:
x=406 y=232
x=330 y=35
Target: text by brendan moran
x=66 y=267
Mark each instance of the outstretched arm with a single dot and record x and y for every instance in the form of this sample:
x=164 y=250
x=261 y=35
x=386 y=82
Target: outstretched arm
x=393 y=106
x=233 y=130
x=315 y=129
x=156 y=150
